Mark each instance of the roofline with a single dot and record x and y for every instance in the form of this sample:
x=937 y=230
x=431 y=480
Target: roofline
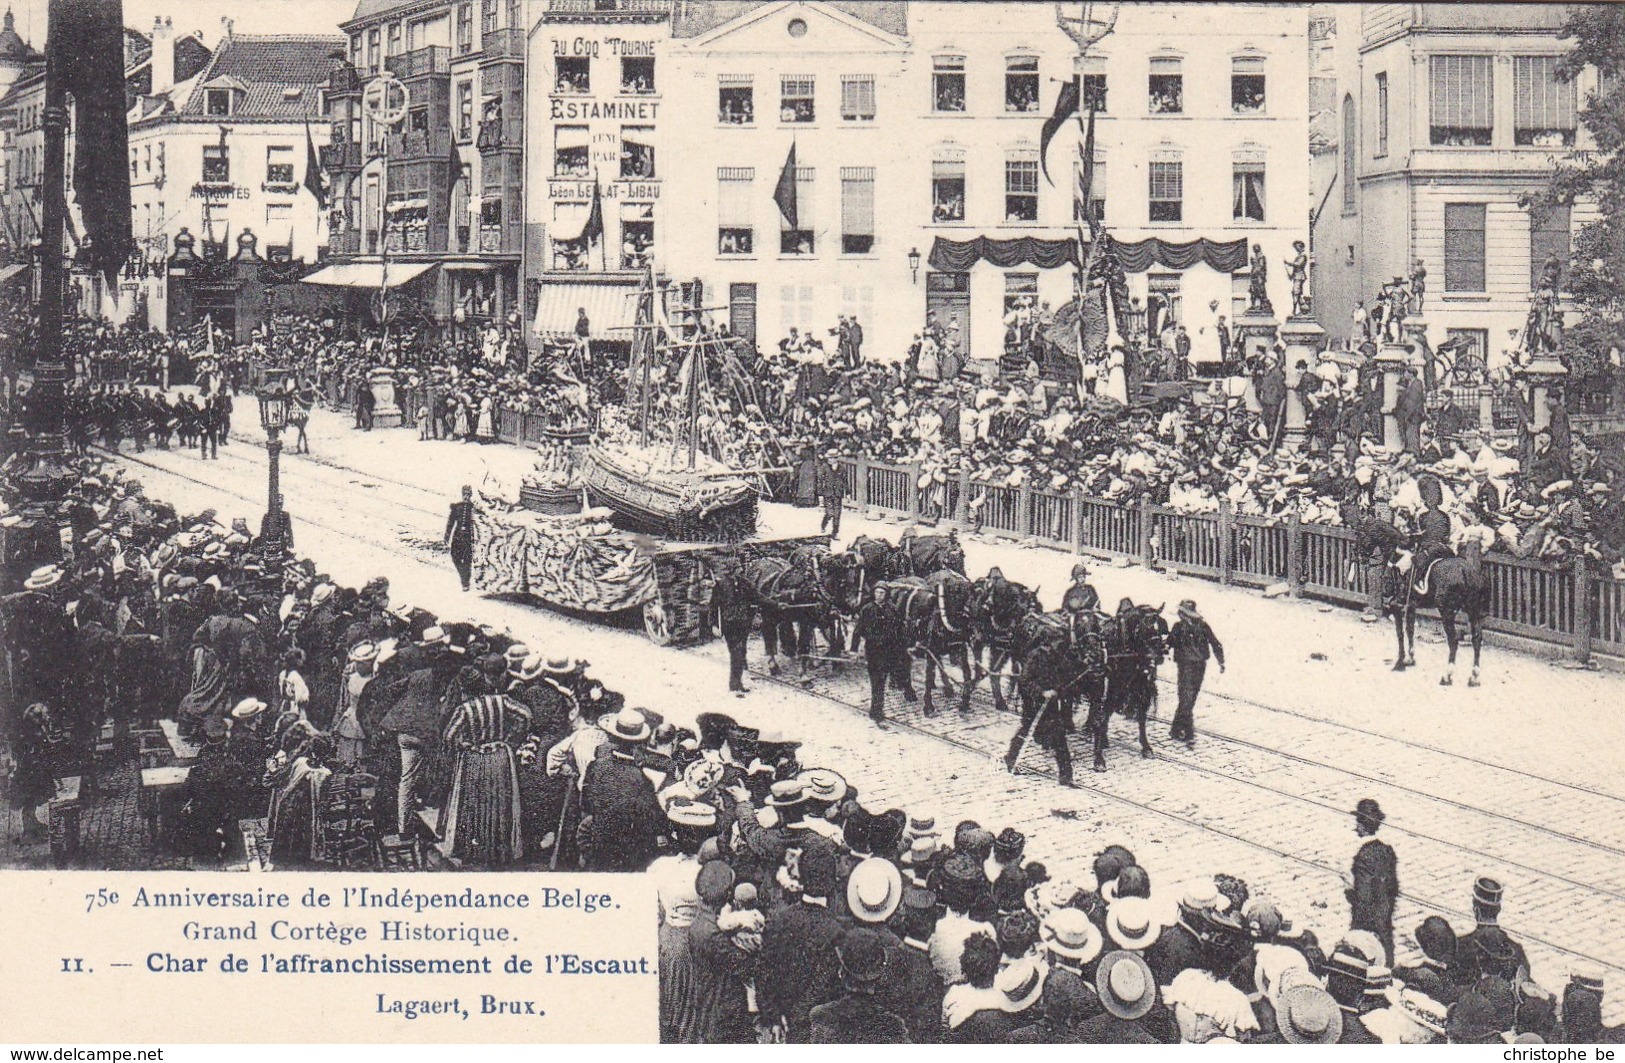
x=766 y=11
x=392 y=15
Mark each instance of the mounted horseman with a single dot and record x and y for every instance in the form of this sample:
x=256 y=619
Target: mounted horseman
x=1434 y=576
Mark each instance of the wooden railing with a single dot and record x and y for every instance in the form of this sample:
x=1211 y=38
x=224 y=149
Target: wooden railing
x=1568 y=604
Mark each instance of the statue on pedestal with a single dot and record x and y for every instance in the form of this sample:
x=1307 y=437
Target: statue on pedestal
x=1258 y=296
x=1297 y=271
x=1419 y=285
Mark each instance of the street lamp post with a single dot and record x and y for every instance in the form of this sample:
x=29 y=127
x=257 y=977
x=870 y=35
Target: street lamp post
x=273 y=398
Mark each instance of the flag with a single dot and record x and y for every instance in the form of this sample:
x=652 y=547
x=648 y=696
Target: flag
x=315 y=180
x=784 y=194
x=86 y=51
x=456 y=175
x=1066 y=105
x=593 y=228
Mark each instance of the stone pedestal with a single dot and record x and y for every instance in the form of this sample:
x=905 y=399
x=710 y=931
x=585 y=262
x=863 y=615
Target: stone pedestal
x=1538 y=378
x=1391 y=360
x=386 y=413
x=1304 y=340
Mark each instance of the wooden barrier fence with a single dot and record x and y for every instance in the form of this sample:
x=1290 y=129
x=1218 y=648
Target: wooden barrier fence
x=1530 y=599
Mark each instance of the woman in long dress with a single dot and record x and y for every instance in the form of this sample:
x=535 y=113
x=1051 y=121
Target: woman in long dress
x=480 y=823
x=297 y=790
x=459 y=426
x=1117 y=377
x=486 y=430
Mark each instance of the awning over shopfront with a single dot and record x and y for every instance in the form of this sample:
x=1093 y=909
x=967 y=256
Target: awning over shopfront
x=367 y=274
x=611 y=309
x=13 y=270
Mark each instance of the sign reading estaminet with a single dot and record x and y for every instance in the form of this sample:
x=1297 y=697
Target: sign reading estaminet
x=189 y=956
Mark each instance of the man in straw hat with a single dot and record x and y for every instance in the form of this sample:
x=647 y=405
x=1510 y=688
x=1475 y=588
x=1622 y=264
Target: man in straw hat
x=627 y=818
x=1191 y=640
x=1128 y=995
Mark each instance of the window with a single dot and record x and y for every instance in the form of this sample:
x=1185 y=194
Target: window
x=736 y=233
x=569 y=250
x=948 y=84
x=135 y=165
x=1020 y=190
x=1349 y=146
x=637 y=152
x=516 y=14
x=1464 y=247
x=1548 y=239
x=146 y=158
x=948 y=191
x=572 y=75
x=218 y=102
x=570 y=151
x=736 y=100
x=1165 y=88
x=278 y=222
x=796 y=99
x=279 y=165
x=216 y=164
x=1167 y=191
x=857 y=210
x=488 y=17
x=1021 y=84
x=373 y=62
x=1247 y=191
x=394 y=46
x=858 y=98
x=465 y=28
x=637 y=75
x=1461 y=101
x=1247 y=85
x=1542 y=105
x=1097 y=190
x=1094 y=92
x=1474 y=350
x=1382 y=115
x=465 y=110
x=1020 y=306
x=1165 y=289
x=799 y=241
x=355 y=51
x=637 y=234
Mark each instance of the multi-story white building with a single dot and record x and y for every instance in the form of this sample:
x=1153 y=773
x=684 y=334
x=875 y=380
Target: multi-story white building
x=217 y=179
x=918 y=129
x=1444 y=121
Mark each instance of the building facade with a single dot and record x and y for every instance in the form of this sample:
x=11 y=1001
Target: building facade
x=219 y=203
x=439 y=196
x=600 y=91
x=928 y=194
x=1444 y=121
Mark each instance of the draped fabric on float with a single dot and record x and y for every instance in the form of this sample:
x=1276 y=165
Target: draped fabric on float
x=87 y=52
x=958 y=256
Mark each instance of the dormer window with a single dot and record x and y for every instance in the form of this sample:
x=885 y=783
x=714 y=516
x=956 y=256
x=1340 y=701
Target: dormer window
x=219 y=102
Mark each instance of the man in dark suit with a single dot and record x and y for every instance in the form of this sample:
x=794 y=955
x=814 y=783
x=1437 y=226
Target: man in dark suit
x=1191 y=641
x=1437 y=975
x=886 y=652
x=627 y=818
x=832 y=492
x=858 y=1016
x=1487 y=945
x=1375 y=877
x=460 y=535
x=1410 y=408
x=1272 y=397
x=734 y=615
x=911 y=988
x=797 y=968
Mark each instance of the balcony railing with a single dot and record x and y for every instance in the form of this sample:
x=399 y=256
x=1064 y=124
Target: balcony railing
x=419 y=144
x=340 y=155
x=417 y=64
x=502 y=44
x=497 y=135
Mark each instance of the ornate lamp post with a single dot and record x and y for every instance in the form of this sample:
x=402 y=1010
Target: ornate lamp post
x=273 y=397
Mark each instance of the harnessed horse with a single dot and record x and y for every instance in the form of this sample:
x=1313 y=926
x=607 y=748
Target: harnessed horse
x=935 y=614
x=797 y=596
x=1136 y=640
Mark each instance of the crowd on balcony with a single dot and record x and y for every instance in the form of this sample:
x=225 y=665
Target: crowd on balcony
x=332 y=726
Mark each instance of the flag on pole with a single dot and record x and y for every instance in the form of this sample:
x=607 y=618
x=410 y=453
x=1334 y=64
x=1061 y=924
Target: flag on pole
x=785 y=193
x=593 y=228
x=315 y=180
x=1066 y=105
x=87 y=52
x=455 y=160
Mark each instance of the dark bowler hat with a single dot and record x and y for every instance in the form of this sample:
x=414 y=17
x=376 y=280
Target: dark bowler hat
x=1369 y=810
x=862 y=953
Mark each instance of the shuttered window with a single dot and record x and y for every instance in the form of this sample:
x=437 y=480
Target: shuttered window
x=858 y=98
x=1167 y=191
x=1542 y=106
x=1464 y=247
x=1461 y=103
x=857 y=210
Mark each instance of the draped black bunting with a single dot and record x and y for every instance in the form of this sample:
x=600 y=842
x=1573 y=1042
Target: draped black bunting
x=958 y=256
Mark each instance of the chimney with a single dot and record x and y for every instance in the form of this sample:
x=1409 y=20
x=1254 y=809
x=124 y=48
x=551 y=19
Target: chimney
x=163 y=56
x=225 y=28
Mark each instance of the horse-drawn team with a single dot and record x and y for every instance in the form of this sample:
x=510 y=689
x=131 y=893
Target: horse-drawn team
x=913 y=600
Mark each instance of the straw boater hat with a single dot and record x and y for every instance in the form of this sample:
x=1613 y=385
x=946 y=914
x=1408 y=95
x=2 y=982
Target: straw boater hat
x=530 y=668
x=628 y=726
x=1069 y=933
x=1307 y=1015
x=515 y=655
x=248 y=707
x=1132 y=922
x=874 y=890
x=321 y=592
x=686 y=813
x=366 y=650
x=823 y=785
x=558 y=665
x=42 y=578
x=434 y=635
x=1126 y=985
